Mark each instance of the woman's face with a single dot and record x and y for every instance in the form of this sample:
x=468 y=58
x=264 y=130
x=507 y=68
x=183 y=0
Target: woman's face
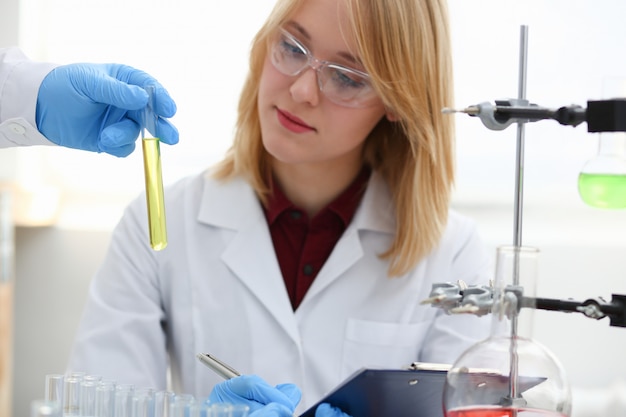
x=299 y=124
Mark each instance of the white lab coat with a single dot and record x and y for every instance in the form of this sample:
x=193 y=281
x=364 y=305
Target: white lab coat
x=20 y=79
x=217 y=288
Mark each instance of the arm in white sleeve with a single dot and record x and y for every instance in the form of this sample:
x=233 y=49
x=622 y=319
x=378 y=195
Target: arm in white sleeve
x=472 y=264
x=20 y=79
x=122 y=333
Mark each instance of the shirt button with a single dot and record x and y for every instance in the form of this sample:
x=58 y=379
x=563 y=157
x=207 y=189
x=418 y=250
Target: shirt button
x=296 y=215
x=307 y=270
x=15 y=128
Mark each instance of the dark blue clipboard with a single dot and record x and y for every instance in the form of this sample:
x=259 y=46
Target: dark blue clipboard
x=408 y=393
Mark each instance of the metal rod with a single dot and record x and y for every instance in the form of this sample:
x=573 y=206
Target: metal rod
x=519 y=163
x=519 y=200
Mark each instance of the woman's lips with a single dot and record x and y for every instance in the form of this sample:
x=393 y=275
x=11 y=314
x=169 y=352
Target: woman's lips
x=292 y=123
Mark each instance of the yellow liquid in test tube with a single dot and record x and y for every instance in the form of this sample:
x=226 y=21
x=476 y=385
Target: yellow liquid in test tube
x=154 y=193
x=154 y=178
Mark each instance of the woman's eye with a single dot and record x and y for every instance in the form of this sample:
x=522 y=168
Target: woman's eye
x=345 y=79
x=291 y=49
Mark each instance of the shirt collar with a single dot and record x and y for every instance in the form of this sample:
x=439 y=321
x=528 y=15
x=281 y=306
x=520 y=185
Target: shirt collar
x=344 y=205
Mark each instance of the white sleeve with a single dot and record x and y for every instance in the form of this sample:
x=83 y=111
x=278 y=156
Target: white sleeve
x=122 y=332
x=451 y=334
x=20 y=79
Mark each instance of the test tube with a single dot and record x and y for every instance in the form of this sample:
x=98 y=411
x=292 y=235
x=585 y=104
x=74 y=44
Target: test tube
x=54 y=388
x=239 y=410
x=71 y=396
x=88 y=396
x=163 y=401
x=182 y=405
x=124 y=400
x=152 y=173
x=200 y=409
x=220 y=410
x=105 y=399
x=143 y=403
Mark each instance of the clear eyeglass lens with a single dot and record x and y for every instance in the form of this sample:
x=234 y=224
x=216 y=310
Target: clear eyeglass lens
x=288 y=57
x=341 y=85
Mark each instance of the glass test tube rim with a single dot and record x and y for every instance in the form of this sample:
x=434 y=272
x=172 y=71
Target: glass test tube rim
x=153 y=176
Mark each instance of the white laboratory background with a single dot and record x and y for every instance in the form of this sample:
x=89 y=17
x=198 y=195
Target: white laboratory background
x=198 y=50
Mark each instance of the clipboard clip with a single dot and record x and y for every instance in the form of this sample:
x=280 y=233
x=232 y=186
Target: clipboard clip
x=444 y=367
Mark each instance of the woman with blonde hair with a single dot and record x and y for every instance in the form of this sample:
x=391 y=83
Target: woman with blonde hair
x=303 y=256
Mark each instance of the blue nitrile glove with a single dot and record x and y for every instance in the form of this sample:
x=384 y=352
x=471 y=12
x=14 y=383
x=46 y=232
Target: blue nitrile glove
x=272 y=410
x=97 y=107
x=327 y=410
x=254 y=392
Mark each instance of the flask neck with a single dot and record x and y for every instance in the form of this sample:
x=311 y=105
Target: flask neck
x=514 y=291
x=612 y=144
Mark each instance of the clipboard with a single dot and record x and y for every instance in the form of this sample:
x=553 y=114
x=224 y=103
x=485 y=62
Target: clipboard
x=409 y=392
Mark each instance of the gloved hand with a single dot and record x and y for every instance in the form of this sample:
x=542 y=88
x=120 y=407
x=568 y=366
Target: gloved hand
x=272 y=410
x=97 y=107
x=327 y=410
x=263 y=399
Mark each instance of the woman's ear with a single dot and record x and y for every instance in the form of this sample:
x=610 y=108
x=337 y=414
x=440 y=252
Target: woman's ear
x=391 y=116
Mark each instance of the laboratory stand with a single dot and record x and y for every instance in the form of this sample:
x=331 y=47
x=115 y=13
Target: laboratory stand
x=511 y=351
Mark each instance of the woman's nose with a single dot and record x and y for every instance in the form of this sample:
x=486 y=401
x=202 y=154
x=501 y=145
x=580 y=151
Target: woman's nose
x=305 y=88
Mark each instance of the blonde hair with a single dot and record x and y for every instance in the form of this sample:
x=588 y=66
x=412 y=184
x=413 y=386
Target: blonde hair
x=405 y=47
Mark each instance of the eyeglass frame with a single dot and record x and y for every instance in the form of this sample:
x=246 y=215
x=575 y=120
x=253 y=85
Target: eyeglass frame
x=318 y=65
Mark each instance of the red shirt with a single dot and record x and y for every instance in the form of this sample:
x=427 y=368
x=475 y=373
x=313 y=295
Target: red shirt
x=302 y=246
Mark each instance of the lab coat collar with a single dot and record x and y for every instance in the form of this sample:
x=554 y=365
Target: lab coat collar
x=238 y=206
x=250 y=254
x=230 y=204
x=375 y=214
x=233 y=205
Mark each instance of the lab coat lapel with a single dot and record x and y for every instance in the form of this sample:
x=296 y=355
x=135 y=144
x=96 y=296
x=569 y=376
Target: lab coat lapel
x=251 y=258
x=375 y=213
x=250 y=254
x=346 y=253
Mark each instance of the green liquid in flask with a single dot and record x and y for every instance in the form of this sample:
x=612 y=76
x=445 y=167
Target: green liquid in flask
x=603 y=190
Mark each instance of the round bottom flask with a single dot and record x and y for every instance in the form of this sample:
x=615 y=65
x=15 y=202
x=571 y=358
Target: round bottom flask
x=508 y=374
x=602 y=181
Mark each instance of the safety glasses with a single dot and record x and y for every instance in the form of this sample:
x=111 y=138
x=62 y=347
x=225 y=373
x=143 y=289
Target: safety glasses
x=342 y=85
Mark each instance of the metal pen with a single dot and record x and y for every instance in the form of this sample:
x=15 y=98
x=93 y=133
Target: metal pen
x=219 y=367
